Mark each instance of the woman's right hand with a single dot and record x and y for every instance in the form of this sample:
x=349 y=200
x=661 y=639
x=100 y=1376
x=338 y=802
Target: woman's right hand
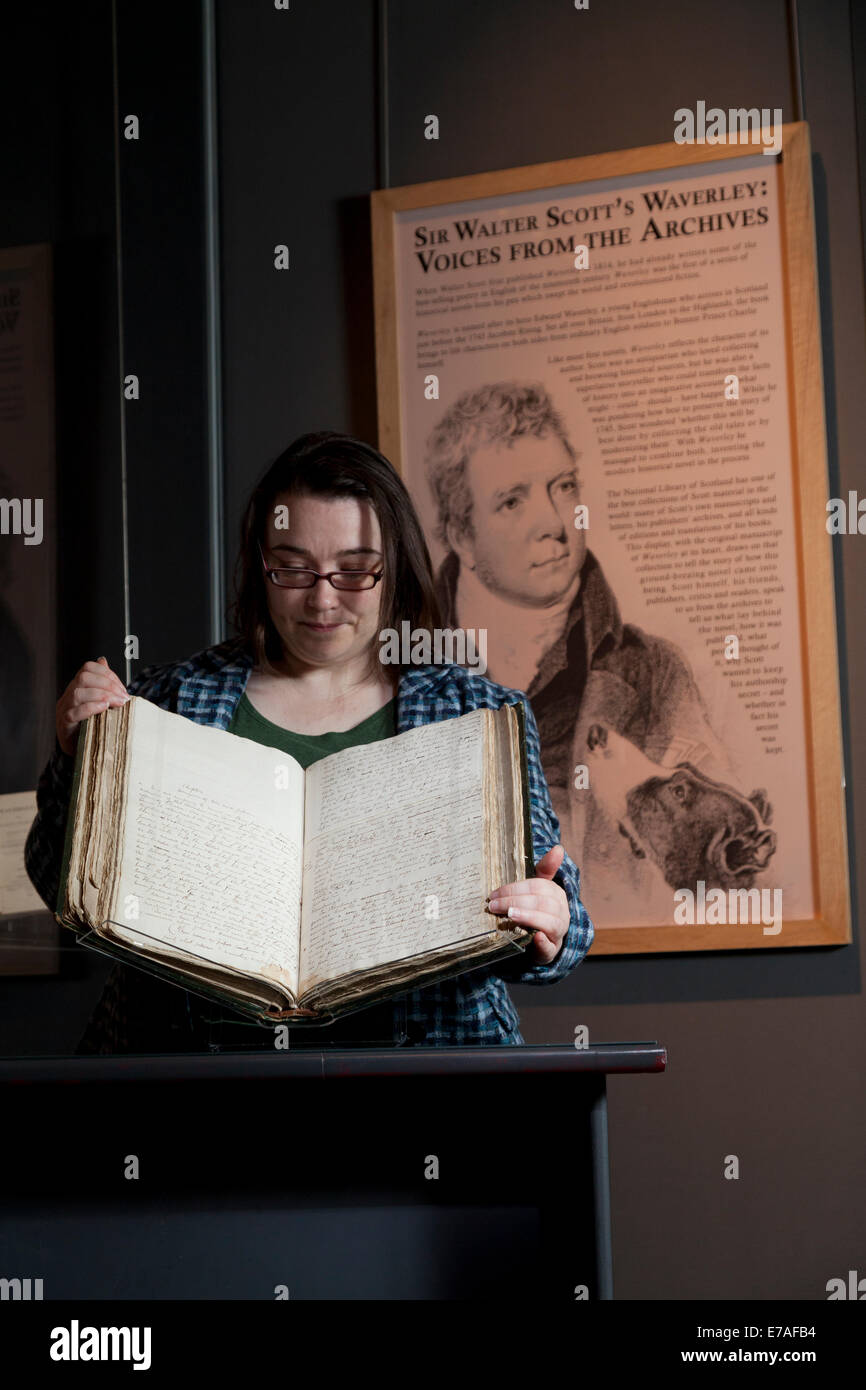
x=91 y=690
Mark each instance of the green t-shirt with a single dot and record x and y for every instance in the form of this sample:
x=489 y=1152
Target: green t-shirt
x=309 y=748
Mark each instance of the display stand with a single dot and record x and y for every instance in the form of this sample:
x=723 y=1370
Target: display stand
x=401 y=1173
x=233 y=1023
x=229 y=1024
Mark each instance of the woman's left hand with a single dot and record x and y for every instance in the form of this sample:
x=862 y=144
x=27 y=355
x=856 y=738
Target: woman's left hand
x=537 y=902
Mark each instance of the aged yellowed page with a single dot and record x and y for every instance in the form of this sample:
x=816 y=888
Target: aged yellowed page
x=102 y=803
x=394 y=850
x=213 y=846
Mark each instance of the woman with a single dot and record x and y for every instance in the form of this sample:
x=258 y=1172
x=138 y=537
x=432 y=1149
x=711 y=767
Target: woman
x=332 y=553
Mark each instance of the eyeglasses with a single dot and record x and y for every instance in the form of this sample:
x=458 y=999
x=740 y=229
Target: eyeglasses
x=307 y=579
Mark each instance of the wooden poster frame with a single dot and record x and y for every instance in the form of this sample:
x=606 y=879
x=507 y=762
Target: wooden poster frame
x=824 y=782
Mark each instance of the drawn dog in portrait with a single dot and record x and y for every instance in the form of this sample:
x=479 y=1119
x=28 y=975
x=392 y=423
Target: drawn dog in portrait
x=690 y=826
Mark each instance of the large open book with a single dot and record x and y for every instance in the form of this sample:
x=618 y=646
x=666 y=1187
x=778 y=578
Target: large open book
x=227 y=868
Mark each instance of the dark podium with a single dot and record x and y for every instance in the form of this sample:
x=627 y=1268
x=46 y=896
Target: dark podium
x=381 y=1173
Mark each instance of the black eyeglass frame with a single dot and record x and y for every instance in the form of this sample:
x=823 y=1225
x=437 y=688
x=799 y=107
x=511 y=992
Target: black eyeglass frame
x=272 y=570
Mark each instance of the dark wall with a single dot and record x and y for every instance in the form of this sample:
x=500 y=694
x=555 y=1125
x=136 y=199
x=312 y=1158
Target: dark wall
x=766 y=1047
x=297 y=98
x=58 y=186
x=57 y=118
x=162 y=238
x=56 y=132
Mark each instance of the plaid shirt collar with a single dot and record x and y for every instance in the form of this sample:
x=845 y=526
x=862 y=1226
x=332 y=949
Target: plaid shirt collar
x=213 y=681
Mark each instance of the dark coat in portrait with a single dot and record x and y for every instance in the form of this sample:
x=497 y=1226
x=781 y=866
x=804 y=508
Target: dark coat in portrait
x=602 y=671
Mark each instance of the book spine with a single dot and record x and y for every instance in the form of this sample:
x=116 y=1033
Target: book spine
x=70 y=821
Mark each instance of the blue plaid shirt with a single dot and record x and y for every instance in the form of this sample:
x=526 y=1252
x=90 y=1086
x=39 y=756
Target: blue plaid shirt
x=472 y=1008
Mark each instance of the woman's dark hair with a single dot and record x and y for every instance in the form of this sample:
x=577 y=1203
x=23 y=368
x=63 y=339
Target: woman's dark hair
x=328 y=464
